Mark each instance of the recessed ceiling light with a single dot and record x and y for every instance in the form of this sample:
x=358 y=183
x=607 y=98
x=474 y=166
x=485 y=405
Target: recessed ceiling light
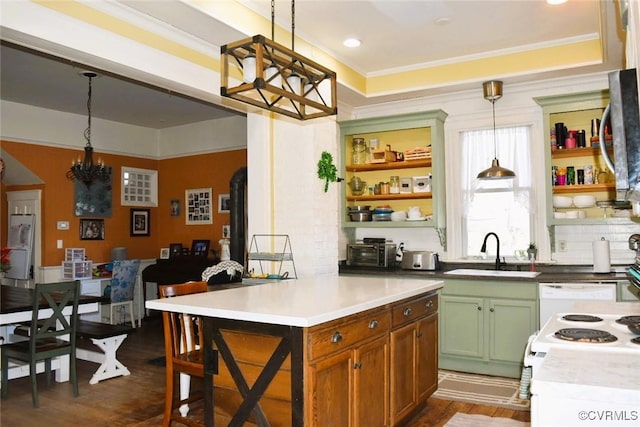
x=351 y=42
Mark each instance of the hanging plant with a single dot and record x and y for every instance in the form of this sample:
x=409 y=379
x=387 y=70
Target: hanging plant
x=327 y=170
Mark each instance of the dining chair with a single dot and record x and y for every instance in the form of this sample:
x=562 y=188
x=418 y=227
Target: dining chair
x=122 y=289
x=49 y=337
x=183 y=342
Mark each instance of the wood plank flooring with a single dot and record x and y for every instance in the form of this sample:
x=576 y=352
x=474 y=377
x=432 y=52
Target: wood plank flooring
x=137 y=400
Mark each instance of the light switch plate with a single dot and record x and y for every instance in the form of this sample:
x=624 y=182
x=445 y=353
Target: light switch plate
x=59 y=244
x=63 y=225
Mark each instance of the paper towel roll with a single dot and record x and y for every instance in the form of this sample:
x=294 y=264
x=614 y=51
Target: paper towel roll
x=601 y=256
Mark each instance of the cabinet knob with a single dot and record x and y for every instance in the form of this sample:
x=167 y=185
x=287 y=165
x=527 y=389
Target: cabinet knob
x=429 y=304
x=357 y=365
x=373 y=324
x=479 y=308
x=491 y=310
x=419 y=334
x=407 y=311
x=336 y=337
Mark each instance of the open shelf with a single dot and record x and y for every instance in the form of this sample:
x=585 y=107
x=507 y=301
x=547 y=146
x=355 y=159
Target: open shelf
x=582 y=188
x=403 y=196
x=406 y=164
x=577 y=152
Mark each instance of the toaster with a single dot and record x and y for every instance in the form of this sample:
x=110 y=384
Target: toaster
x=420 y=260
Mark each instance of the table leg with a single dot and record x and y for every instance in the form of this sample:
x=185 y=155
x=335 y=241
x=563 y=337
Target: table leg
x=210 y=368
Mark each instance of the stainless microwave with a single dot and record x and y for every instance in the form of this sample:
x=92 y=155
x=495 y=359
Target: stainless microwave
x=371 y=254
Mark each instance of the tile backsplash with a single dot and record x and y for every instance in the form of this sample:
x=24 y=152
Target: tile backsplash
x=578 y=241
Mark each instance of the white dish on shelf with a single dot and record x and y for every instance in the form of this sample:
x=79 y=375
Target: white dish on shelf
x=572 y=214
x=559 y=215
x=416 y=219
x=584 y=201
x=562 y=202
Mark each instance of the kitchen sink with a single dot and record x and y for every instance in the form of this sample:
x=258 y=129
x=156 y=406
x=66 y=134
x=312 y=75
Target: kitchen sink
x=492 y=273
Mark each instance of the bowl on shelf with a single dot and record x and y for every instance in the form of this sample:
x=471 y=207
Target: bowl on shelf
x=559 y=215
x=584 y=201
x=572 y=214
x=562 y=202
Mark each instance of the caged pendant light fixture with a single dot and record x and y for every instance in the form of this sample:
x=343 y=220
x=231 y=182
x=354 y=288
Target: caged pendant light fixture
x=277 y=78
x=85 y=170
x=492 y=92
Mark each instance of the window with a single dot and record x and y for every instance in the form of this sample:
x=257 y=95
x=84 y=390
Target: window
x=500 y=206
x=139 y=187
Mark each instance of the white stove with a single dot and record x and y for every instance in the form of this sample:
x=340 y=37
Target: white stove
x=576 y=383
x=609 y=323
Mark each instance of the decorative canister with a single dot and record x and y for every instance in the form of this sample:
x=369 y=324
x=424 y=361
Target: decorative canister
x=588 y=174
x=571 y=175
x=554 y=175
x=562 y=176
x=394 y=185
x=359 y=153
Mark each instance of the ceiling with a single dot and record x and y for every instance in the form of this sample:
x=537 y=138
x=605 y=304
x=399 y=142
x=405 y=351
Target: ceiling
x=396 y=35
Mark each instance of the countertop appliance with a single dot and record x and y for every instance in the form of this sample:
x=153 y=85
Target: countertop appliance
x=420 y=260
x=585 y=367
x=633 y=272
x=625 y=129
x=372 y=252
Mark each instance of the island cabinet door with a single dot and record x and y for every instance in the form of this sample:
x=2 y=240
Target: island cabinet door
x=371 y=385
x=403 y=372
x=427 y=357
x=331 y=384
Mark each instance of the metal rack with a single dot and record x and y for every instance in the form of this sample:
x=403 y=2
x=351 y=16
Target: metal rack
x=262 y=247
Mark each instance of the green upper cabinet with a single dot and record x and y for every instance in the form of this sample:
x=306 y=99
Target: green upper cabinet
x=576 y=112
x=407 y=146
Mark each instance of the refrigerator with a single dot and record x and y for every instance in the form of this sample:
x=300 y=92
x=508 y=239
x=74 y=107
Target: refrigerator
x=20 y=241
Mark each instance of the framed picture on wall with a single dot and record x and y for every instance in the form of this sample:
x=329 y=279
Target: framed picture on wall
x=92 y=229
x=198 y=206
x=224 y=203
x=226 y=231
x=164 y=253
x=140 y=222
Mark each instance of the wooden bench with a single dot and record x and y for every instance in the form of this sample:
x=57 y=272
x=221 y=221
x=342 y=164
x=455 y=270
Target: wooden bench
x=108 y=339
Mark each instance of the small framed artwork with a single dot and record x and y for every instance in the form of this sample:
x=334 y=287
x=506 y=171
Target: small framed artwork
x=92 y=229
x=140 y=222
x=224 y=203
x=175 y=207
x=175 y=250
x=164 y=253
x=200 y=247
x=198 y=206
x=226 y=231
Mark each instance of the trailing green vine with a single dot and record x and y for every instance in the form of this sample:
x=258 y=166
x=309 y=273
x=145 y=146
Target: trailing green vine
x=327 y=170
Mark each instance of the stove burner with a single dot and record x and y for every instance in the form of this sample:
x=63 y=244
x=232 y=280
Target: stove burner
x=635 y=340
x=627 y=320
x=581 y=318
x=585 y=335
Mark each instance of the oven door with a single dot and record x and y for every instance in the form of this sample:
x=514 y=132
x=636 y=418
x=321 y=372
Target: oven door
x=560 y=297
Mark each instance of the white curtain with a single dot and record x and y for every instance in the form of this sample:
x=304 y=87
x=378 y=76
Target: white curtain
x=501 y=206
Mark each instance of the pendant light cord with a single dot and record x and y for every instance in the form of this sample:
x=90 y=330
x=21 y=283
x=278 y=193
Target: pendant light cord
x=293 y=23
x=273 y=18
x=495 y=139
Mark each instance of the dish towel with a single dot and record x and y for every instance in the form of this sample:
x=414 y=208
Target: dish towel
x=232 y=267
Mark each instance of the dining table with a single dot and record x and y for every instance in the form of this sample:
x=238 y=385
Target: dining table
x=16 y=306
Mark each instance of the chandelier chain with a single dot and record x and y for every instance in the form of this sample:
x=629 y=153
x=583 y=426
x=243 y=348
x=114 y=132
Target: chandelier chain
x=293 y=23
x=87 y=131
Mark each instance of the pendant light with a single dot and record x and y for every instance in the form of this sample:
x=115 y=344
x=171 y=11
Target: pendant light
x=492 y=92
x=85 y=170
x=276 y=78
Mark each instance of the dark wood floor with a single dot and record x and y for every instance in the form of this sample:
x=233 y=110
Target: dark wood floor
x=137 y=400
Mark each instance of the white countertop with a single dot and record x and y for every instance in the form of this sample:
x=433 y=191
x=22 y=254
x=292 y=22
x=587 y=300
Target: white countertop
x=301 y=302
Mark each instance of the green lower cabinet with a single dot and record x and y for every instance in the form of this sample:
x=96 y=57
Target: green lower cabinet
x=485 y=334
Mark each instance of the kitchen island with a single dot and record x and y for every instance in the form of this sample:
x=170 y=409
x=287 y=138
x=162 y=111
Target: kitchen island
x=318 y=351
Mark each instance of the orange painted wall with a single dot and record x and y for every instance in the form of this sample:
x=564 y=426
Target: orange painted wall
x=174 y=176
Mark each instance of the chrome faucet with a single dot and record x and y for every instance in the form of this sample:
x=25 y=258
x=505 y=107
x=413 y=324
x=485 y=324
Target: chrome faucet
x=484 y=248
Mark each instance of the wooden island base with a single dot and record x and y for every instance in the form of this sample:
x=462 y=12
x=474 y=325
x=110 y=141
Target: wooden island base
x=377 y=367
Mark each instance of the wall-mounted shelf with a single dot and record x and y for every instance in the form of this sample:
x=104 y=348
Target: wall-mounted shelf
x=582 y=188
x=407 y=164
x=403 y=196
x=577 y=152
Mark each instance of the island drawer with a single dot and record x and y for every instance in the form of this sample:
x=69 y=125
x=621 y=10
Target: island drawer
x=342 y=335
x=412 y=309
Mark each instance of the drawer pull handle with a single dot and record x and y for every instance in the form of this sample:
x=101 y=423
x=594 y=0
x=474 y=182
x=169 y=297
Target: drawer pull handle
x=373 y=324
x=336 y=337
x=419 y=334
x=429 y=304
x=407 y=311
x=357 y=366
